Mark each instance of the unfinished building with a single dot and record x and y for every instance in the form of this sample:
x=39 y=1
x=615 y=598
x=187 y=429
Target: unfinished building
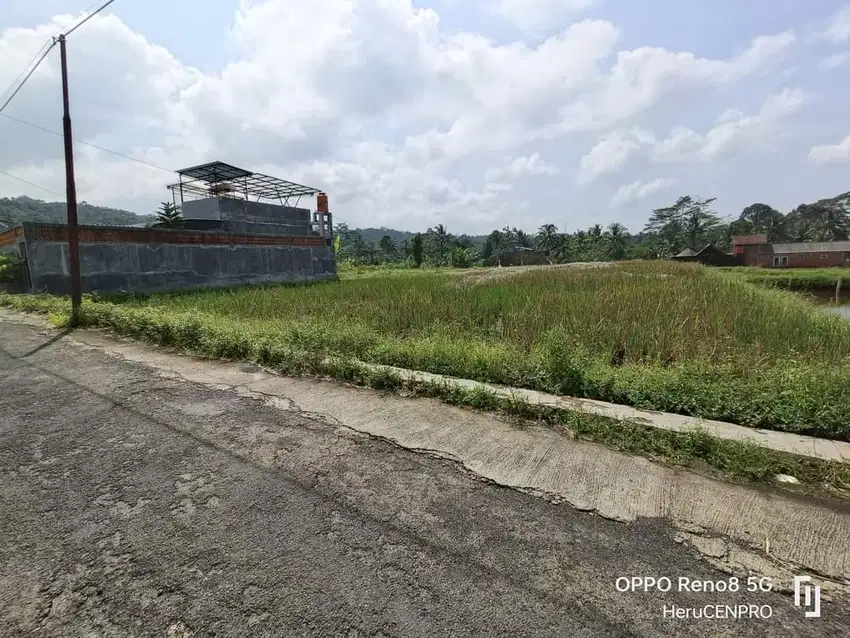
x=238 y=227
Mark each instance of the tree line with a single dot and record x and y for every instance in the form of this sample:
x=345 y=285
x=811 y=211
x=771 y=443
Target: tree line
x=689 y=222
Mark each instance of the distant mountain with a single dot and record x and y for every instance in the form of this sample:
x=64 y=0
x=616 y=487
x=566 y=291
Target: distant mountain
x=374 y=234
x=14 y=210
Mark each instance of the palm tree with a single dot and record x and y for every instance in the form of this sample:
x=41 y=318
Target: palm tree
x=547 y=237
x=562 y=248
x=522 y=238
x=441 y=238
x=616 y=241
x=595 y=232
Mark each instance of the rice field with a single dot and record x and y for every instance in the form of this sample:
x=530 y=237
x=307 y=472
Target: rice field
x=672 y=337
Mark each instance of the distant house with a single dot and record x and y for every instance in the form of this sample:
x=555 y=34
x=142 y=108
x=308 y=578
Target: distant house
x=751 y=249
x=518 y=256
x=756 y=250
x=809 y=255
x=709 y=255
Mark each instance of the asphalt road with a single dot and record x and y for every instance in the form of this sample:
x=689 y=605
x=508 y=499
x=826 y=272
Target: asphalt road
x=136 y=505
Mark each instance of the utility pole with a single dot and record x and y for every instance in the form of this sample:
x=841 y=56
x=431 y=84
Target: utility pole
x=71 y=192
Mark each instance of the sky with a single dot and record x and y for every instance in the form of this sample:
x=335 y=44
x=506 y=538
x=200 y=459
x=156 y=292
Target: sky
x=467 y=113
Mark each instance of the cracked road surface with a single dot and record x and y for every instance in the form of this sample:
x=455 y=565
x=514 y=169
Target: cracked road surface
x=137 y=505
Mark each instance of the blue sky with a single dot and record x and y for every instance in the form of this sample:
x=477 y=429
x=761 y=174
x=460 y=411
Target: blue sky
x=472 y=114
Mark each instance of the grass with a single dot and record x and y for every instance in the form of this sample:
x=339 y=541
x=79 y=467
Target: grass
x=672 y=337
x=806 y=279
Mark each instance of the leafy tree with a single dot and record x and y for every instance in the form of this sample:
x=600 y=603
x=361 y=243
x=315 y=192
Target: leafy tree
x=439 y=238
x=699 y=221
x=388 y=247
x=351 y=244
x=495 y=242
x=168 y=216
x=416 y=250
x=461 y=257
x=685 y=223
x=464 y=241
x=762 y=219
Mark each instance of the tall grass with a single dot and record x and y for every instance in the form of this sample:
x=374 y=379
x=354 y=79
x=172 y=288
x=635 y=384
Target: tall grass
x=795 y=278
x=674 y=337
x=655 y=313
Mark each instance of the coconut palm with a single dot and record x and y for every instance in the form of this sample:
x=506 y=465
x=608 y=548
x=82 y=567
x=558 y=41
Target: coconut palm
x=547 y=237
x=615 y=239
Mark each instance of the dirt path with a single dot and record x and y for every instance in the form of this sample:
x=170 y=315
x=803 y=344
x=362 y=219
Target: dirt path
x=139 y=505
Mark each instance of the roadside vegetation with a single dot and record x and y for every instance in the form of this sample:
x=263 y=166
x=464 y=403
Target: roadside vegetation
x=657 y=335
x=11 y=268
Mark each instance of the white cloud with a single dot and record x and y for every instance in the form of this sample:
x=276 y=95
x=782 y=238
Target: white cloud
x=534 y=14
x=733 y=131
x=610 y=152
x=638 y=190
x=834 y=61
x=375 y=101
x=641 y=77
x=519 y=167
x=839 y=27
x=831 y=153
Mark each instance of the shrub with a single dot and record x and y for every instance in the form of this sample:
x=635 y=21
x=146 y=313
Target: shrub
x=11 y=268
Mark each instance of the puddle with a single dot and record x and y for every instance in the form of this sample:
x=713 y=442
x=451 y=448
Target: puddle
x=826 y=303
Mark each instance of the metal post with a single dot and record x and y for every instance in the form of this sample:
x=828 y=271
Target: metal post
x=71 y=192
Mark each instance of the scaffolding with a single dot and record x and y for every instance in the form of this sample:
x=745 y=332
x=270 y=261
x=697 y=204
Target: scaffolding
x=217 y=179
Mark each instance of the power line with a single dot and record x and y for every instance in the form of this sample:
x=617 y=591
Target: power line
x=100 y=148
x=87 y=18
x=20 y=179
x=28 y=76
x=29 y=64
x=53 y=42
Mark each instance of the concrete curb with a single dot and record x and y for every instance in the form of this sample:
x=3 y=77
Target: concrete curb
x=808 y=446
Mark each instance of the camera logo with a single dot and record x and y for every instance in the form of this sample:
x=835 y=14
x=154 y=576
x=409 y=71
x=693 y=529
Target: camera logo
x=807 y=596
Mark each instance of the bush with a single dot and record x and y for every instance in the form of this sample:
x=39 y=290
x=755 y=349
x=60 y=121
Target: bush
x=11 y=268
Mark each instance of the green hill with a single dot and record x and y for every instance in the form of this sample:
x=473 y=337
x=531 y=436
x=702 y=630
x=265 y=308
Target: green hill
x=14 y=210
x=373 y=235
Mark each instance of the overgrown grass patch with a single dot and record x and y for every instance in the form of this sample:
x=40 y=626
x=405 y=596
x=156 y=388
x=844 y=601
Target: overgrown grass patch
x=803 y=279
x=661 y=336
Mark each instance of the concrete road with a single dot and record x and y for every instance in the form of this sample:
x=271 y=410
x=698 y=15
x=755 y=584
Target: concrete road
x=136 y=505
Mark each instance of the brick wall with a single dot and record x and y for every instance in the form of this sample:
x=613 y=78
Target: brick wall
x=145 y=260
x=89 y=234
x=806 y=260
x=11 y=237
